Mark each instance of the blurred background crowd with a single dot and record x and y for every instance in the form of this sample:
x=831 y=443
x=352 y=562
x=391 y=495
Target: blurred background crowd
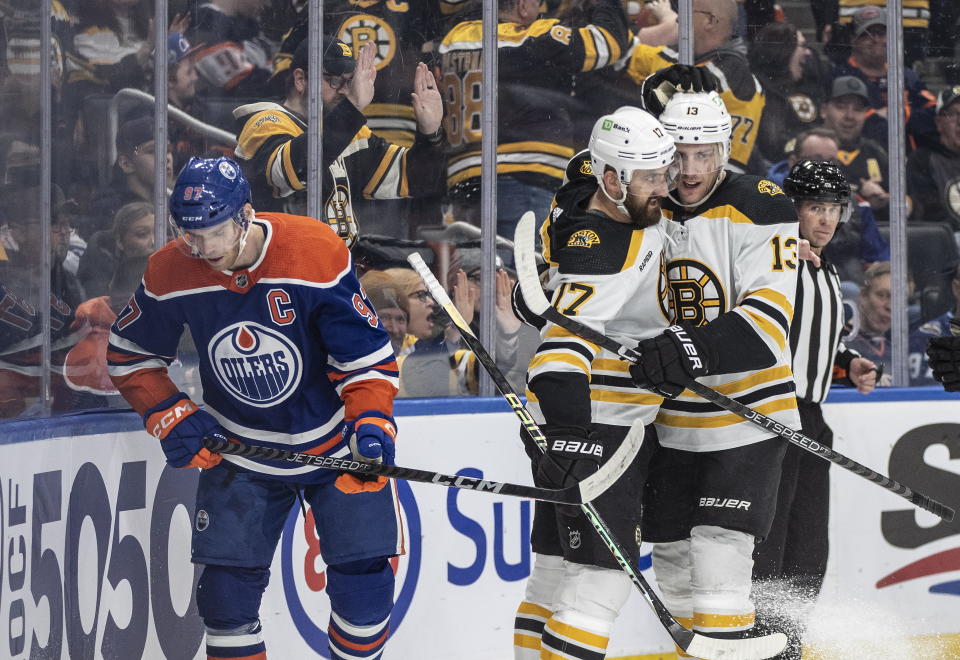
x=801 y=79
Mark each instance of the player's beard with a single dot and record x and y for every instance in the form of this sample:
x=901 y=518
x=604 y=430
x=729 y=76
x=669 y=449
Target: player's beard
x=644 y=211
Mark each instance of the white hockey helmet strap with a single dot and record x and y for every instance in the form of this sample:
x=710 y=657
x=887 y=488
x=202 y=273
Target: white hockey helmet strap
x=627 y=140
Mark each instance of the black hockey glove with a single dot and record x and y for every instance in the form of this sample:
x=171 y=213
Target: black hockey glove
x=944 y=354
x=571 y=456
x=660 y=86
x=671 y=361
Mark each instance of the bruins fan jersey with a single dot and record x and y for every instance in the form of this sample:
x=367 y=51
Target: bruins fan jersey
x=272 y=149
x=739 y=89
x=536 y=67
x=398 y=31
x=734 y=257
x=608 y=275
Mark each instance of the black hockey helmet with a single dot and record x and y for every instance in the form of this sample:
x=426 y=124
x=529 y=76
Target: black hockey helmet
x=819 y=181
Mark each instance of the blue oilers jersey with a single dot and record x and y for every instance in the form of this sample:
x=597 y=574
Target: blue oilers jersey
x=288 y=348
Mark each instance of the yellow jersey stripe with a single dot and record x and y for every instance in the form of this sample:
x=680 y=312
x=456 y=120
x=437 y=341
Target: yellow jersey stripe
x=774 y=331
x=606 y=364
x=777 y=298
x=288 y=169
x=634 y=398
x=636 y=240
x=559 y=332
x=381 y=171
x=726 y=212
x=404 y=183
x=612 y=45
x=701 y=421
x=589 y=49
x=545 y=360
x=738 y=386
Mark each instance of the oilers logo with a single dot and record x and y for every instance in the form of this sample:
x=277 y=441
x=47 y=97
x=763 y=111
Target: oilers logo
x=259 y=366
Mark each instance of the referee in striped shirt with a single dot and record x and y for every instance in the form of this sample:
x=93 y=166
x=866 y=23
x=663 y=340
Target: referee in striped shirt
x=795 y=551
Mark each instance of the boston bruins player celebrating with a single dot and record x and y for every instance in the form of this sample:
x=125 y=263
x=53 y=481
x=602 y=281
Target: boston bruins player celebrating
x=731 y=264
x=604 y=246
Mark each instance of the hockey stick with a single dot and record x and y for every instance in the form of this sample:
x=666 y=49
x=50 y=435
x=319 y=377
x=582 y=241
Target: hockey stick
x=579 y=493
x=537 y=301
x=693 y=643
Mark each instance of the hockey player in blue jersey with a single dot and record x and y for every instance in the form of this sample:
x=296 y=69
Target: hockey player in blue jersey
x=291 y=355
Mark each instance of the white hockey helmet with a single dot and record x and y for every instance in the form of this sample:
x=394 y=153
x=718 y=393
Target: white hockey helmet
x=629 y=139
x=700 y=118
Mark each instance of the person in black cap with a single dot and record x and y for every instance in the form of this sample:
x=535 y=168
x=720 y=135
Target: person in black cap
x=133 y=175
x=933 y=172
x=862 y=160
x=272 y=140
x=868 y=62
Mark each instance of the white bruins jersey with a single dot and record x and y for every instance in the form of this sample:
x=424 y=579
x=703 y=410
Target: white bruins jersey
x=734 y=254
x=609 y=276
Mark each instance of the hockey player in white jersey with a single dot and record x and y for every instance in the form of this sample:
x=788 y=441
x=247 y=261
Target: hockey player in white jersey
x=604 y=246
x=731 y=265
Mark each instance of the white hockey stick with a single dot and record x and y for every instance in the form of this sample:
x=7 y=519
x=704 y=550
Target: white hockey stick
x=697 y=645
x=537 y=302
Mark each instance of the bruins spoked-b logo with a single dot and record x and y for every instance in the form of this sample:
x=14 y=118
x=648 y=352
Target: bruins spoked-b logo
x=259 y=366
x=695 y=293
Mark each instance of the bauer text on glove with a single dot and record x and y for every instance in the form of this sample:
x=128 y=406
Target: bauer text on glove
x=671 y=361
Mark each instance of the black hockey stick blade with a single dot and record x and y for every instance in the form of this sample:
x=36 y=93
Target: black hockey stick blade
x=579 y=493
x=701 y=646
x=537 y=302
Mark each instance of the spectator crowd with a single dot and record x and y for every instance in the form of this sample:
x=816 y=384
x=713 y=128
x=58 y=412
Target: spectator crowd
x=402 y=91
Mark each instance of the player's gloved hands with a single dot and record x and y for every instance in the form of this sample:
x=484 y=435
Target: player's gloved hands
x=181 y=427
x=660 y=86
x=370 y=437
x=571 y=456
x=670 y=361
x=944 y=355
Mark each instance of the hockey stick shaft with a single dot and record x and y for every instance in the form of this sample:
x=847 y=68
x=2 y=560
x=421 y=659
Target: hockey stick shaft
x=563 y=496
x=590 y=487
x=536 y=300
x=708 y=647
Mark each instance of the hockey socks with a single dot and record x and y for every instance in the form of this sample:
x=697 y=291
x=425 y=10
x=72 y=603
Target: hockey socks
x=350 y=642
x=527 y=630
x=361 y=598
x=243 y=643
x=542 y=591
x=574 y=636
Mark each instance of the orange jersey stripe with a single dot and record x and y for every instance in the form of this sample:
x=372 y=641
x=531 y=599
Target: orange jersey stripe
x=341 y=641
x=294 y=245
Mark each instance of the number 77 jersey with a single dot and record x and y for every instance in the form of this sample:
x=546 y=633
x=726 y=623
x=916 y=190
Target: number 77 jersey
x=734 y=258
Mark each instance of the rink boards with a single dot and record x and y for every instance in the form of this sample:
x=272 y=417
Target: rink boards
x=95 y=536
